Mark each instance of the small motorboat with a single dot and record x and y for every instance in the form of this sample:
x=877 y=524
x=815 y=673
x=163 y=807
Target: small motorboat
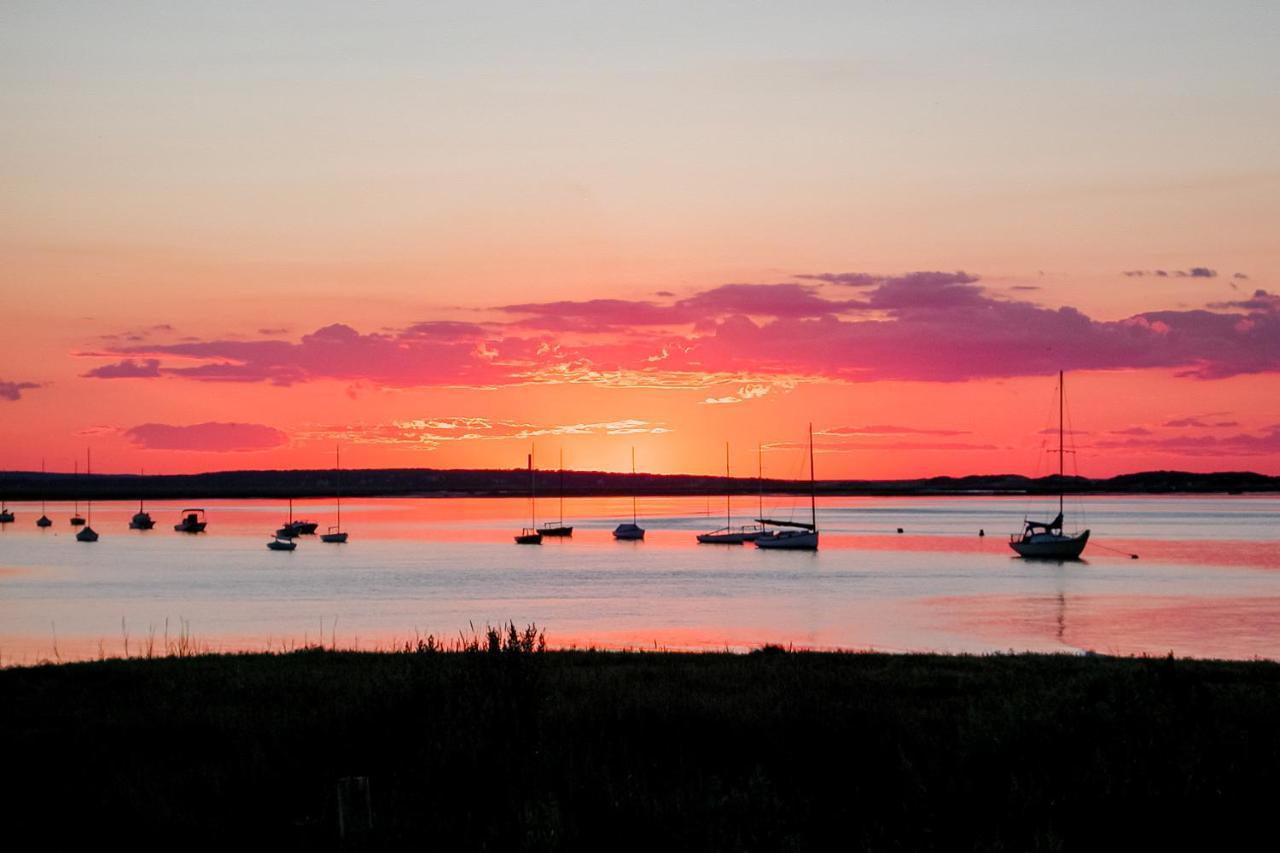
x=6 y=517
x=280 y=543
x=292 y=528
x=193 y=521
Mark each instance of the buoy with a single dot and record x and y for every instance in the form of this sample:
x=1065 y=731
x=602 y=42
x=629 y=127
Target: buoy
x=981 y=532
x=899 y=529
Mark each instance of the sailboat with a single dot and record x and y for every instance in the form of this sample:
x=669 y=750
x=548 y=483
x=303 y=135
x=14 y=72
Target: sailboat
x=1046 y=539
x=554 y=529
x=336 y=534
x=730 y=535
x=77 y=520
x=43 y=520
x=142 y=519
x=633 y=530
x=86 y=533
x=282 y=543
x=795 y=535
x=530 y=535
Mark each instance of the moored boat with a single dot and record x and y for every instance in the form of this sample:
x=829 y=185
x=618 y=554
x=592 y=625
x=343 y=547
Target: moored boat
x=730 y=535
x=336 y=535
x=1043 y=540
x=142 y=519
x=193 y=521
x=530 y=535
x=630 y=532
x=550 y=528
x=794 y=535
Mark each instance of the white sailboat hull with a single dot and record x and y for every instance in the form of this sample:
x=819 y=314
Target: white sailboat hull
x=1050 y=546
x=790 y=540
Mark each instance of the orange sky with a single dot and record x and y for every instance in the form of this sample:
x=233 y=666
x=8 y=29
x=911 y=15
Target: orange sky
x=191 y=198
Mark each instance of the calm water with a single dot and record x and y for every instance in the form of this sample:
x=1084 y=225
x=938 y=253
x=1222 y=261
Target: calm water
x=1207 y=583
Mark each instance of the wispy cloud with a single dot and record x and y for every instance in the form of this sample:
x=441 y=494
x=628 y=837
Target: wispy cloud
x=432 y=432
x=1193 y=272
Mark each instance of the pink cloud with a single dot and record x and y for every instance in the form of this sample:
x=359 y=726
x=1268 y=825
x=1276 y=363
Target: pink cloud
x=147 y=368
x=921 y=326
x=12 y=391
x=1266 y=443
x=211 y=437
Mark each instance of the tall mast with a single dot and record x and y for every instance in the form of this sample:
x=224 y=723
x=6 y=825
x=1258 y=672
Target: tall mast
x=142 y=472
x=44 y=485
x=533 y=522
x=813 y=487
x=728 y=517
x=760 y=480
x=337 y=460
x=1061 y=485
x=633 y=486
x=88 y=470
x=76 y=463
x=562 y=486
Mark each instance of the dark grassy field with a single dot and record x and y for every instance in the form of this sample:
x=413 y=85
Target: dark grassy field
x=514 y=749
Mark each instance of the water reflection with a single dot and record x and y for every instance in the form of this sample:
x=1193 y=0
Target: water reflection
x=439 y=565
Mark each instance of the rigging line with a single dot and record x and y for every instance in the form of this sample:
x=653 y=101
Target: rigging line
x=1129 y=554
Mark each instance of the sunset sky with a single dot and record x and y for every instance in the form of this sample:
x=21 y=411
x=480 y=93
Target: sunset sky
x=233 y=235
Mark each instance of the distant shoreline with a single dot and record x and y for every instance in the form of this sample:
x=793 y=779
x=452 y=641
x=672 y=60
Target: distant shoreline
x=457 y=483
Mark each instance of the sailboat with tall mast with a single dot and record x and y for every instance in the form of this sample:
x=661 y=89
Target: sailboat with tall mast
x=77 y=520
x=550 y=528
x=336 y=535
x=730 y=535
x=87 y=533
x=630 y=531
x=530 y=535
x=44 y=520
x=142 y=519
x=1046 y=539
x=795 y=535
